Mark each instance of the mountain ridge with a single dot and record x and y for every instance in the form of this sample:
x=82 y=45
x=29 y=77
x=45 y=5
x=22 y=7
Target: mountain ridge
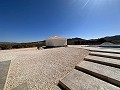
x=114 y=39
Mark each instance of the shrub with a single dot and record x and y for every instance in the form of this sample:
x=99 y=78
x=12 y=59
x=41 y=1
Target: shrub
x=20 y=45
x=5 y=46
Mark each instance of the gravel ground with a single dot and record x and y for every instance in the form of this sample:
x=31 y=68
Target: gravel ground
x=40 y=69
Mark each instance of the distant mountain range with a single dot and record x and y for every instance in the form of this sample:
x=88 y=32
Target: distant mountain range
x=114 y=39
x=6 y=42
x=72 y=40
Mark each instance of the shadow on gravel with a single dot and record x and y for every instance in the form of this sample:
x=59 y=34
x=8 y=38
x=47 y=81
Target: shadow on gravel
x=4 y=67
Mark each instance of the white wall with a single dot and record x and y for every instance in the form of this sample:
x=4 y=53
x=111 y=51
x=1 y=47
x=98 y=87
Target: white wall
x=56 y=42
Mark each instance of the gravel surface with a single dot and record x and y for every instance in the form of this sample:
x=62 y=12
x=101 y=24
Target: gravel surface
x=41 y=69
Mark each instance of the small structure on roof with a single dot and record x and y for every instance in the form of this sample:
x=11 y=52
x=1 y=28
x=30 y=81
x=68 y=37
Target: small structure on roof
x=56 y=41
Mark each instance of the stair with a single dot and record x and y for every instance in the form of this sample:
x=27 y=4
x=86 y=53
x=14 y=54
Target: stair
x=107 y=73
x=109 y=55
x=103 y=60
x=106 y=51
x=78 y=80
x=99 y=71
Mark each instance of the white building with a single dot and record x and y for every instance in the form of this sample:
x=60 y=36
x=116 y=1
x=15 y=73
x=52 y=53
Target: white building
x=56 y=41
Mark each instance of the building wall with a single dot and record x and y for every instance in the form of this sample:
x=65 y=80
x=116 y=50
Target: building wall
x=56 y=42
x=49 y=42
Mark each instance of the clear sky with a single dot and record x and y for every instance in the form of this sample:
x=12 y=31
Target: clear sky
x=34 y=20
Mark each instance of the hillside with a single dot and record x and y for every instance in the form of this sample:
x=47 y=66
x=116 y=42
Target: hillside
x=114 y=39
x=73 y=40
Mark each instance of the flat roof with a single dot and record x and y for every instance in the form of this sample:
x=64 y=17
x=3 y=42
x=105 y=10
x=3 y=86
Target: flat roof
x=56 y=37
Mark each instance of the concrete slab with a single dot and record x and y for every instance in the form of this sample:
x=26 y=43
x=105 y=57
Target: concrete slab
x=21 y=87
x=106 y=50
x=116 y=51
x=4 y=67
x=105 y=61
x=98 y=49
x=109 y=55
x=78 y=80
x=107 y=73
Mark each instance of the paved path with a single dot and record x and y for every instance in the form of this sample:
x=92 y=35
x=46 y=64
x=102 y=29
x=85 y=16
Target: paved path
x=99 y=71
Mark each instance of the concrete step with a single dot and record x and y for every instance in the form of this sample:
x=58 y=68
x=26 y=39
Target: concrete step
x=106 y=73
x=109 y=55
x=106 y=50
x=98 y=49
x=103 y=60
x=77 y=80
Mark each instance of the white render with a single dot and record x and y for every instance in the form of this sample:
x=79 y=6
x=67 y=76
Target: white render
x=56 y=41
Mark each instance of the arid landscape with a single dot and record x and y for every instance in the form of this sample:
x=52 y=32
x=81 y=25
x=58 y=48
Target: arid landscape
x=59 y=44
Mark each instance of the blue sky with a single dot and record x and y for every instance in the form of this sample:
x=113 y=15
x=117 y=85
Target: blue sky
x=34 y=20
